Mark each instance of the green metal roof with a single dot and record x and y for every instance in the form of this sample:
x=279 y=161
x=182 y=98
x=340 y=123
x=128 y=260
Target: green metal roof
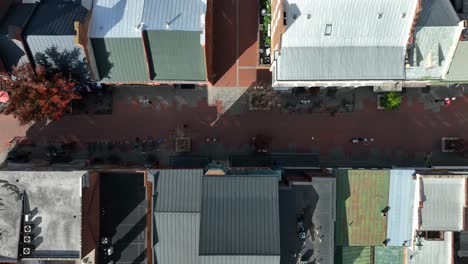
x=177 y=55
x=458 y=70
x=368 y=255
x=388 y=255
x=120 y=59
x=354 y=255
x=361 y=196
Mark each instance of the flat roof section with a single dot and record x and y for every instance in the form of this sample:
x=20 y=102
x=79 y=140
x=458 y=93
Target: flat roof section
x=443 y=204
x=124 y=216
x=54 y=201
x=361 y=197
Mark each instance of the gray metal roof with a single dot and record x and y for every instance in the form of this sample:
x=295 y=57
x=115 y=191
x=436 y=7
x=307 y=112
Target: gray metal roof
x=432 y=52
x=55 y=17
x=239 y=259
x=239 y=216
x=40 y=43
x=177 y=238
x=178 y=190
x=401 y=202
x=185 y=15
x=459 y=67
x=116 y=19
x=443 y=203
x=341 y=63
x=437 y=13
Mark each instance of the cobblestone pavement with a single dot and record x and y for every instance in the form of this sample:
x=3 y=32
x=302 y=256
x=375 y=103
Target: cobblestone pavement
x=407 y=137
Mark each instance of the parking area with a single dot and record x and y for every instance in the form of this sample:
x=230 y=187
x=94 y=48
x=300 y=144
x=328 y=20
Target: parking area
x=123 y=218
x=307 y=222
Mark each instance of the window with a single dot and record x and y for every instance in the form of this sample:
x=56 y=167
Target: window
x=328 y=29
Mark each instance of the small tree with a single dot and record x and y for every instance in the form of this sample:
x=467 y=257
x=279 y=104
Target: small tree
x=391 y=101
x=37 y=97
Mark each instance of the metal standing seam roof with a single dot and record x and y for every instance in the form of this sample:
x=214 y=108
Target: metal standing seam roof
x=433 y=252
x=120 y=59
x=436 y=36
x=436 y=44
x=40 y=43
x=178 y=238
x=184 y=15
x=341 y=63
x=401 y=202
x=177 y=55
x=11 y=50
x=381 y=32
x=444 y=201
x=361 y=196
x=459 y=67
x=55 y=17
x=437 y=13
x=116 y=19
x=178 y=190
x=240 y=216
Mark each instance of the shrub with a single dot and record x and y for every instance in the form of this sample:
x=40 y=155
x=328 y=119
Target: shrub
x=391 y=101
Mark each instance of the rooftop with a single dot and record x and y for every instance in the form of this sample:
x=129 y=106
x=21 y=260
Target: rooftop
x=56 y=17
x=239 y=216
x=401 y=202
x=436 y=36
x=17 y=16
x=443 y=203
x=432 y=251
x=319 y=27
x=184 y=15
x=210 y=219
x=54 y=201
x=116 y=19
x=361 y=196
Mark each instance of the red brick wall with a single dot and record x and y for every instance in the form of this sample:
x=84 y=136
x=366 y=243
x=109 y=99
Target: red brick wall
x=209 y=41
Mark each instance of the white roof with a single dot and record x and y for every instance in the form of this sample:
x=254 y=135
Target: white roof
x=443 y=203
x=353 y=23
x=54 y=201
x=432 y=251
x=345 y=40
x=116 y=19
x=187 y=15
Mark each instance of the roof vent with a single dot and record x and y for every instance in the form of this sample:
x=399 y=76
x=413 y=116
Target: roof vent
x=379 y=15
x=328 y=29
x=403 y=15
x=27 y=228
x=26 y=251
x=308 y=16
x=27 y=239
x=294 y=16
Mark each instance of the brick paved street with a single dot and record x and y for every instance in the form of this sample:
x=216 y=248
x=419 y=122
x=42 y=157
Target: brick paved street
x=403 y=137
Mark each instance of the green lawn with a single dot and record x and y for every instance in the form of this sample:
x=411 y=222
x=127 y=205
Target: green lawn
x=361 y=196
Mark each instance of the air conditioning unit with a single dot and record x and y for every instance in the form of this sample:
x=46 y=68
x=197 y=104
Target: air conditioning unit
x=28 y=239
x=26 y=251
x=28 y=228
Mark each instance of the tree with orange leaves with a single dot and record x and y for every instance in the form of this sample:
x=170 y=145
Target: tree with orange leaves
x=37 y=96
